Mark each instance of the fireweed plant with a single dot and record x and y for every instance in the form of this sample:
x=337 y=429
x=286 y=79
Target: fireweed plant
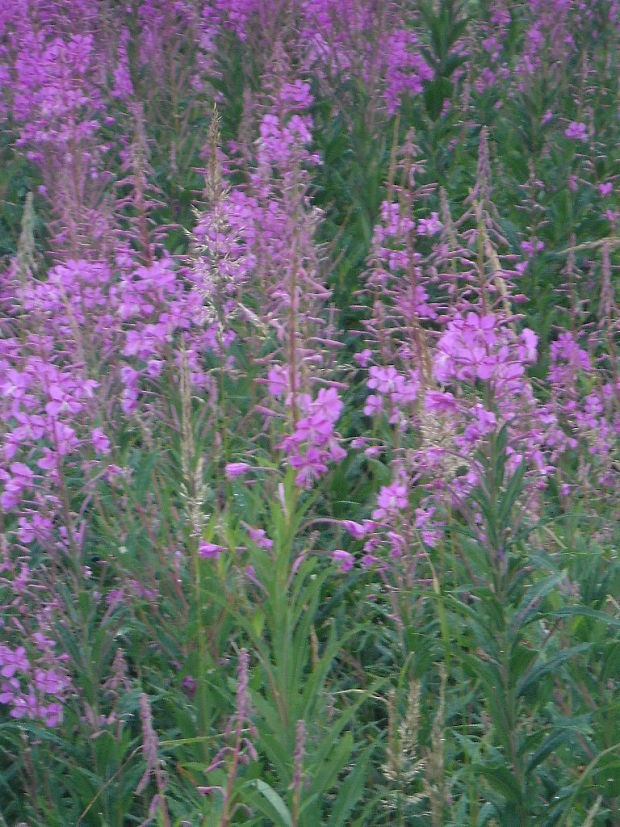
x=309 y=470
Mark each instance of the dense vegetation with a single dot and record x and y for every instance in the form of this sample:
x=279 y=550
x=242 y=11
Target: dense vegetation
x=309 y=470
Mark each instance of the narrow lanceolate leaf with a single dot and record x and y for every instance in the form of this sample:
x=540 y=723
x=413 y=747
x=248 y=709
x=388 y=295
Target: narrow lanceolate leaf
x=529 y=608
x=509 y=497
x=549 y=745
x=273 y=804
x=544 y=667
x=586 y=611
x=350 y=792
x=503 y=781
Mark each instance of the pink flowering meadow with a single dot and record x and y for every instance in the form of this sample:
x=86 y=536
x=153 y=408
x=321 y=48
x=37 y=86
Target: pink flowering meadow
x=309 y=426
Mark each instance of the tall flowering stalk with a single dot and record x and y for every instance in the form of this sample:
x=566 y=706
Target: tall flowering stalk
x=288 y=285
x=57 y=102
x=241 y=749
x=142 y=197
x=298 y=777
x=153 y=764
x=450 y=365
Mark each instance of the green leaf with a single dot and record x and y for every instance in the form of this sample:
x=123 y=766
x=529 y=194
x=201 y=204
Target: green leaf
x=527 y=609
x=487 y=812
x=501 y=442
x=276 y=803
x=502 y=780
x=520 y=659
x=435 y=94
x=510 y=495
x=611 y=662
x=585 y=611
x=549 y=745
x=539 y=670
x=142 y=477
x=326 y=773
x=350 y=792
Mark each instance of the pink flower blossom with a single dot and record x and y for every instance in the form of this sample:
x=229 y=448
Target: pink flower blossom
x=391 y=500
x=237 y=469
x=532 y=247
x=383 y=379
x=576 y=131
x=13 y=661
x=101 y=443
x=357 y=530
x=259 y=536
x=363 y=357
x=429 y=226
x=277 y=380
x=209 y=551
x=345 y=559
x=373 y=405
x=313 y=443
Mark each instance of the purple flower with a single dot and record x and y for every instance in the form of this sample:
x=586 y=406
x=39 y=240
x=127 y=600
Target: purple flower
x=9 y=691
x=344 y=558
x=209 y=551
x=25 y=706
x=373 y=405
x=189 y=685
x=51 y=714
x=356 y=530
x=576 y=131
x=382 y=379
x=22 y=474
x=530 y=341
x=531 y=247
x=310 y=466
x=313 y=443
x=258 y=536
x=429 y=226
x=277 y=380
x=20 y=480
x=237 y=469
x=391 y=499
x=154 y=367
x=101 y=443
x=49 y=682
x=440 y=402
x=12 y=662
x=363 y=358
